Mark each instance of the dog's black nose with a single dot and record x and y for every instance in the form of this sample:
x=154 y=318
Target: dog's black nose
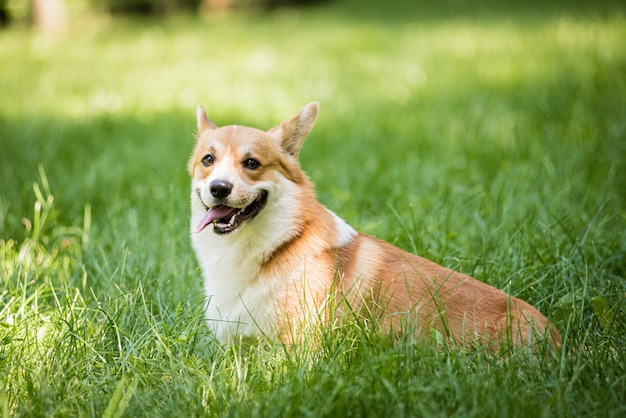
x=220 y=188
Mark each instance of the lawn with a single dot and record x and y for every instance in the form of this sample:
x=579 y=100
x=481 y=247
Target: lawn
x=488 y=137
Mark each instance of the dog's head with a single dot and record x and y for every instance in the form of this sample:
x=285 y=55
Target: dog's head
x=236 y=171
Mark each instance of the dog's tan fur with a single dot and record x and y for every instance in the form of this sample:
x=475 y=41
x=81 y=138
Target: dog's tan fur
x=315 y=261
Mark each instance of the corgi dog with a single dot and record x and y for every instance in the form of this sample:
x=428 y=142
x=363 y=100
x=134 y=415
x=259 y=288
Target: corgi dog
x=276 y=262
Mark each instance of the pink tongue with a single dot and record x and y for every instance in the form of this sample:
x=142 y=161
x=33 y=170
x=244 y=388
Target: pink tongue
x=216 y=212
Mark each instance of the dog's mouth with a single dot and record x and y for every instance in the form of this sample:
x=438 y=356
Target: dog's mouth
x=226 y=219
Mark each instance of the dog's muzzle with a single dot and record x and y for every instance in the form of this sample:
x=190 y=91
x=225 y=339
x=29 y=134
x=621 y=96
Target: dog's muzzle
x=226 y=219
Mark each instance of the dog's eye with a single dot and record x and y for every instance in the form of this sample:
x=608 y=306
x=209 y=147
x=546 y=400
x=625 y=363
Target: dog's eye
x=251 y=164
x=207 y=160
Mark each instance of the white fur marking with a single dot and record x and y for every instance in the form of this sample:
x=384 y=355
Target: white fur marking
x=345 y=232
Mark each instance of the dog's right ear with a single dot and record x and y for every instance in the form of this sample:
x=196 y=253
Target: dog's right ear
x=204 y=123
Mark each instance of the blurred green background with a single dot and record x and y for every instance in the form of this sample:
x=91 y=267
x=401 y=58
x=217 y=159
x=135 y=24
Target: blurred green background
x=405 y=87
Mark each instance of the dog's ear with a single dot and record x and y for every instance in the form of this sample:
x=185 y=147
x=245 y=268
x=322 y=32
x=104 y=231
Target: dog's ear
x=204 y=123
x=293 y=132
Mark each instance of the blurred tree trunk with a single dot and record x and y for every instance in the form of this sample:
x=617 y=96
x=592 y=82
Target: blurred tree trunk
x=216 y=5
x=4 y=13
x=49 y=15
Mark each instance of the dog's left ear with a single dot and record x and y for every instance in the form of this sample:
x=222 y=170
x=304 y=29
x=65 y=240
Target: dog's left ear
x=204 y=123
x=293 y=132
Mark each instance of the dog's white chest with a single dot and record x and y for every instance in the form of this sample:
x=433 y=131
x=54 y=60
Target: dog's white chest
x=249 y=312
x=239 y=301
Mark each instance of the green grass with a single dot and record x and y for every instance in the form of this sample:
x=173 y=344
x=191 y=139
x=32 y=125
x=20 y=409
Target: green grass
x=490 y=138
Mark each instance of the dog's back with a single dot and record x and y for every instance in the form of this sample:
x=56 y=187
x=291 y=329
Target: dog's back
x=402 y=289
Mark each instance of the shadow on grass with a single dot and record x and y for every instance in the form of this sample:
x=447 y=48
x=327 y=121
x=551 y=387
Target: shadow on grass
x=109 y=163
